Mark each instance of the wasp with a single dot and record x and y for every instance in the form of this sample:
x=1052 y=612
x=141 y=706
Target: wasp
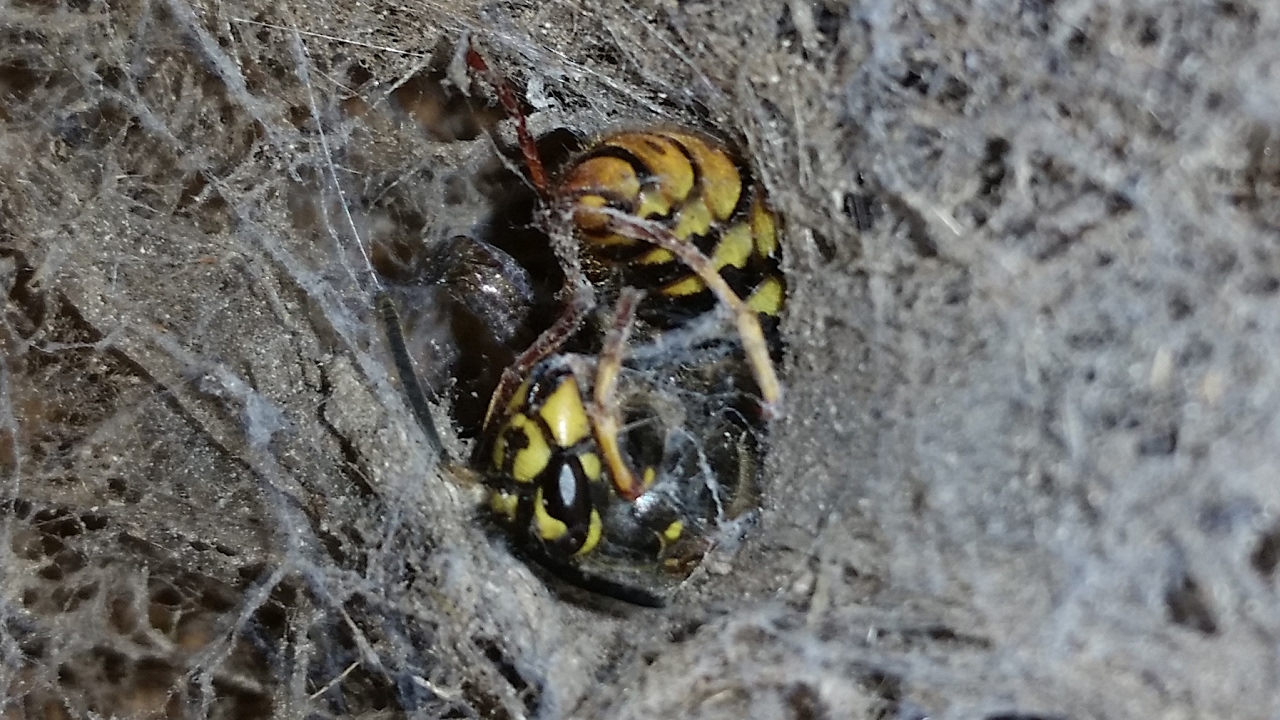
x=628 y=432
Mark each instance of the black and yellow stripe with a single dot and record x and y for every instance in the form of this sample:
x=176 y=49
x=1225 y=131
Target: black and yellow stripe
x=544 y=446
x=701 y=194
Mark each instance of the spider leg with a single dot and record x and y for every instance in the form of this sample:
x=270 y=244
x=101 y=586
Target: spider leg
x=507 y=96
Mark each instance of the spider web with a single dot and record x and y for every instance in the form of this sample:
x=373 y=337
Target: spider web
x=1026 y=468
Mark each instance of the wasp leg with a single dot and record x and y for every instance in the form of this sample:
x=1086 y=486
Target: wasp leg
x=605 y=417
x=404 y=368
x=745 y=318
x=544 y=346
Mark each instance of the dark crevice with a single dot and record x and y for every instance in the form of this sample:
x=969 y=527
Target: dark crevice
x=351 y=464
x=1163 y=441
x=917 y=227
x=888 y=688
x=1188 y=606
x=860 y=207
x=1266 y=554
x=805 y=703
x=529 y=693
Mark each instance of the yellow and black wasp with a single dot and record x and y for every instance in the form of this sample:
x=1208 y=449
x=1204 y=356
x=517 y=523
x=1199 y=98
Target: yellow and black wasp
x=629 y=430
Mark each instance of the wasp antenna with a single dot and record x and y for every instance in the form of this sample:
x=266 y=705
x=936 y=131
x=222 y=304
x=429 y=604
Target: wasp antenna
x=404 y=368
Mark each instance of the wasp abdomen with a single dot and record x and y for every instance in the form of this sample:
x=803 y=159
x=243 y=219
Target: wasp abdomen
x=698 y=192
